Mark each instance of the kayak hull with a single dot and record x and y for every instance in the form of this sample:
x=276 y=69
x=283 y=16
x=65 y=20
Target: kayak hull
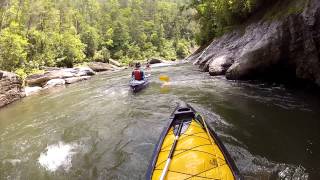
x=198 y=155
x=137 y=86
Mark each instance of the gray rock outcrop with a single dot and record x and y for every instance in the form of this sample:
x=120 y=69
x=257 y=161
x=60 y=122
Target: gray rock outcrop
x=76 y=79
x=155 y=61
x=10 y=88
x=43 y=78
x=114 y=62
x=55 y=82
x=99 y=66
x=32 y=90
x=286 y=48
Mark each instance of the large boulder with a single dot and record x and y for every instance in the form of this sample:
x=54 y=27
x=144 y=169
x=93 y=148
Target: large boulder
x=84 y=71
x=43 y=78
x=286 y=49
x=257 y=58
x=32 y=90
x=99 y=66
x=114 y=62
x=10 y=88
x=55 y=82
x=219 y=65
x=37 y=79
x=155 y=61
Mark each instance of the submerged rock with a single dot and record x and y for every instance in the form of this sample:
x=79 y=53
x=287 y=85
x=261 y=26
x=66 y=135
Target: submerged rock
x=287 y=48
x=10 y=88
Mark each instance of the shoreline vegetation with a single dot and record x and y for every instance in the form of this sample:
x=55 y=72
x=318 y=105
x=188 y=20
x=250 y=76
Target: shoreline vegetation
x=46 y=43
x=64 y=33
x=13 y=87
x=273 y=40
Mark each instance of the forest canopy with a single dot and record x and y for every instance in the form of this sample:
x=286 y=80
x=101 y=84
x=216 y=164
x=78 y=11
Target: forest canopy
x=37 y=33
x=219 y=16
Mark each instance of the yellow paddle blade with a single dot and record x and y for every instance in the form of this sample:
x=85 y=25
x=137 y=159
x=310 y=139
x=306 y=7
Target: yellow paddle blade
x=164 y=78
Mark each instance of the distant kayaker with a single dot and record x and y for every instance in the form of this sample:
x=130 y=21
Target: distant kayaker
x=137 y=73
x=148 y=68
x=148 y=65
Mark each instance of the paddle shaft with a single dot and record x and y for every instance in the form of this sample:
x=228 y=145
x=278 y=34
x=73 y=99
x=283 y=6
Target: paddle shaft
x=166 y=167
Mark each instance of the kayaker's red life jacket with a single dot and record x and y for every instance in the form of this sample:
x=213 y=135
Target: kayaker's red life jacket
x=137 y=75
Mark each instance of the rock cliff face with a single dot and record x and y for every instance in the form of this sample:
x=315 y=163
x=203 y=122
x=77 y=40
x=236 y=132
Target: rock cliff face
x=10 y=88
x=287 y=48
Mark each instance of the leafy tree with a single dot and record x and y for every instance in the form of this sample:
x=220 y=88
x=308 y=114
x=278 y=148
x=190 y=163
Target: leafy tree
x=41 y=33
x=182 y=49
x=12 y=48
x=217 y=16
x=90 y=38
x=70 y=50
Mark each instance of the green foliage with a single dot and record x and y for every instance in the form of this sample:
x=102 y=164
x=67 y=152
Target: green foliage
x=217 y=16
x=168 y=52
x=183 y=49
x=23 y=72
x=70 y=49
x=285 y=8
x=102 y=56
x=12 y=48
x=41 y=33
x=90 y=38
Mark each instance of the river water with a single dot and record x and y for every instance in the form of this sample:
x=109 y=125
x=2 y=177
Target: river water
x=98 y=129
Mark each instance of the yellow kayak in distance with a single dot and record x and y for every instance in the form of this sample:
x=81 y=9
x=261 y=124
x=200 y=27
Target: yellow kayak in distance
x=189 y=149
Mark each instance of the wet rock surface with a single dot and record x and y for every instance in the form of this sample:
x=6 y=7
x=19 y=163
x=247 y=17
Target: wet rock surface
x=99 y=66
x=76 y=79
x=11 y=85
x=114 y=62
x=43 y=78
x=55 y=82
x=155 y=61
x=32 y=90
x=220 y=65
x=54 y=77
x=10 y=88
x=287 y=48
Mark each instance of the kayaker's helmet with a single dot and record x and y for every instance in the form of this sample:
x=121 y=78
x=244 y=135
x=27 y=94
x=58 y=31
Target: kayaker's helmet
x=138 y=65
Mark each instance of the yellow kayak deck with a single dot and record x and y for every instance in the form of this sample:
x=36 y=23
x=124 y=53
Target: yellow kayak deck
x=196 y=157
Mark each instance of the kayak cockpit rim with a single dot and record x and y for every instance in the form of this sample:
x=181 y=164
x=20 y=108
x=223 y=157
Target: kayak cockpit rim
x=185 y=111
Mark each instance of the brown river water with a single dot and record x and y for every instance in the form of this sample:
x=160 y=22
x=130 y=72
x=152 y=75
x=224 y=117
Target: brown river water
x=98 y=129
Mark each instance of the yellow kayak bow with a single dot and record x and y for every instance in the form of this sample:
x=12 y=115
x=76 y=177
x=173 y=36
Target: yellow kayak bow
x=189 y=149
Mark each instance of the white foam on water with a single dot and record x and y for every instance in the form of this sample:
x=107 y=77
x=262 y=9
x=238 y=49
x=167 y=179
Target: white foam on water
x=57 y=156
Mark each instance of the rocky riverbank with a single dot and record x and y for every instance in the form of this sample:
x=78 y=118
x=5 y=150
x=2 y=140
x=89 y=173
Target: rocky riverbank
x=286 y=48
x=12 y=89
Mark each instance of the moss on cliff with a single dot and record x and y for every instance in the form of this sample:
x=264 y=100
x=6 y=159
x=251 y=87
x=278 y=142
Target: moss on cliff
x=284 y=8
